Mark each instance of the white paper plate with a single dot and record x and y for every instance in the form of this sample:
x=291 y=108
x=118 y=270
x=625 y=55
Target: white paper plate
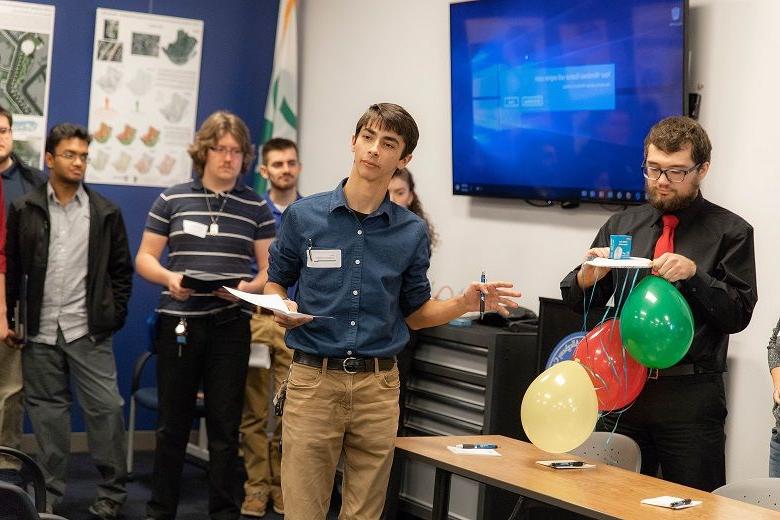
x=629 y=263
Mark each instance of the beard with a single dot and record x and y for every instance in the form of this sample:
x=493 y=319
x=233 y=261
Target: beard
x=669 y=204
x=281 y=183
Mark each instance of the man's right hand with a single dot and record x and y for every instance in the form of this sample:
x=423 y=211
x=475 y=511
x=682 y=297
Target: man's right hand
x=289 y=322
x=12 y=341
x=174 y=287
x=589 y=275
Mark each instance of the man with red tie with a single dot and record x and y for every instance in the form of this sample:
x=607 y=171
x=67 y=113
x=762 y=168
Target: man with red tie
x=707 y=252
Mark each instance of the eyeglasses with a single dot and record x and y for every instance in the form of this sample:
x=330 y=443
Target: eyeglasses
x=231 y=152
x=673 y=174
x=5 y=130
x=70 y=156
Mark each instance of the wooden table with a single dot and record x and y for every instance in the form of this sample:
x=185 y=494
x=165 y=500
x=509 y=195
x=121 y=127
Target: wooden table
x=604 y=492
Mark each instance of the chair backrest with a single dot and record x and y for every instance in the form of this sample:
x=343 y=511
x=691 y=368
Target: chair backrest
x=764 y=492
x=15 y=504
x=613 y=449
x=38 y=481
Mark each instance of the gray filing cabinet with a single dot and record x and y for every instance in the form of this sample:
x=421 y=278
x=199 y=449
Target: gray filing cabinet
x=465 y=381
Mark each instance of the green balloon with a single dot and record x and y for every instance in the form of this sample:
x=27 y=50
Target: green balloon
x=656 y=323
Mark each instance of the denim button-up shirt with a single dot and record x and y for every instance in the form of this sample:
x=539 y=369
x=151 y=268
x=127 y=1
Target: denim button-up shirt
x=382 y=278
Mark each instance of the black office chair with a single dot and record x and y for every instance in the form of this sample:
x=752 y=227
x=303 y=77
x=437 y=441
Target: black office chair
x=146 y=396
x=15 y=503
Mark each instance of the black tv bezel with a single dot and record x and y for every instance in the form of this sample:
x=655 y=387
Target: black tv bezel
x=569 y=197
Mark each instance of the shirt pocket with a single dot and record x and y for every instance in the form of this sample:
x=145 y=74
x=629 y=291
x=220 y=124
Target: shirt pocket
x=323 y=279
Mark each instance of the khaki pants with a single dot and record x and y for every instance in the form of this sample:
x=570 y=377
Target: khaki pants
x=11 y=409
x=262 y=459
x=330 y=412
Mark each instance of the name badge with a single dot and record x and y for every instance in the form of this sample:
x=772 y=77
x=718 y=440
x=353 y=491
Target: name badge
x=323 y=258
x=194 y=228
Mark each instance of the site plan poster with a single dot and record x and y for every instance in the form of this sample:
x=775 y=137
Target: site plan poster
x=26 y=33
x=143 y=98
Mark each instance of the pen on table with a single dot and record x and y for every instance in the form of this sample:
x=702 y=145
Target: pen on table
x=477 y=446
x=567 y=464
x=683 y=502
x=482 y=279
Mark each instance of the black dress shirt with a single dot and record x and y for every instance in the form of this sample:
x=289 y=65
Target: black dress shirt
x=722 y=293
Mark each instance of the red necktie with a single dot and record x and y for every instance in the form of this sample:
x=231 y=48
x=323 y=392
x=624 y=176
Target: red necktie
x=665 y=242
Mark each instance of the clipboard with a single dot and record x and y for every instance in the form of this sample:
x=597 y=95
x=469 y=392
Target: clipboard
x=203 y=282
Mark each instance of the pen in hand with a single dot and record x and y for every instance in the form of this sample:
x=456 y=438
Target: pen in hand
x=482 y=279
x=683 y=502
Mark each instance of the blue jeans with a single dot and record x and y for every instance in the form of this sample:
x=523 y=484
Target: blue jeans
x=774 y=453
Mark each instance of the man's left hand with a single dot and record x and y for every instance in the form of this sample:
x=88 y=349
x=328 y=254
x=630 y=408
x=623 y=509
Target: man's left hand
x=497 y=296
x=673 y=267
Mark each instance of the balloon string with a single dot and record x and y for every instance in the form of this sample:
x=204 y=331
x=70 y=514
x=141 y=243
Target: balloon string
x=586 y=304
x=606 y=311
x=593 y=374
x=619 y=304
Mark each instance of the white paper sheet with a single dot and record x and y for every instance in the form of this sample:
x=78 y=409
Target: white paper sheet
x=272 y=302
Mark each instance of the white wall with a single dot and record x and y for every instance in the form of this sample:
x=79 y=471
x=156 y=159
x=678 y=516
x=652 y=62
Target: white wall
x=355 y=53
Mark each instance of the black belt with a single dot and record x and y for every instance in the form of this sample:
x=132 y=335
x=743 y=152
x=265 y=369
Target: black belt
x=688 y=369
x=350 y=365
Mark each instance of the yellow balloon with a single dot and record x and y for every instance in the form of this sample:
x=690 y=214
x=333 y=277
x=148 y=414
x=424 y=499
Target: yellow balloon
x=560 y=408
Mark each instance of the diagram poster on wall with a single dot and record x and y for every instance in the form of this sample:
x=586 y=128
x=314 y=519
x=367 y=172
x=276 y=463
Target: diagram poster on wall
x=26 y=32
x=143 y=98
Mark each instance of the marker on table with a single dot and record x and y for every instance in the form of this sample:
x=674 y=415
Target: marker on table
x=683 y=502
x=482 y=279
x=477 y=446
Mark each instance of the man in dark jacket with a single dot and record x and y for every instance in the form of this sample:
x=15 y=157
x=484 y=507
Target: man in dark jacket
x=70 y=244
x=17 y=180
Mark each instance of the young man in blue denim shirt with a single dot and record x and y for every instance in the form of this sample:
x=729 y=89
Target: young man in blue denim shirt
x=363 y=260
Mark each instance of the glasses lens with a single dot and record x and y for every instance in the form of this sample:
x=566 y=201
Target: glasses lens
x=676 y=175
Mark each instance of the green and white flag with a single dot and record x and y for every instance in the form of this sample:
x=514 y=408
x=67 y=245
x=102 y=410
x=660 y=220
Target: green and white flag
x=281 y=107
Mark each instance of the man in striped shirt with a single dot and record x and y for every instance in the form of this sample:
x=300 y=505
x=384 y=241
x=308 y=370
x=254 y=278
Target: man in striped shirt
x=214 y=224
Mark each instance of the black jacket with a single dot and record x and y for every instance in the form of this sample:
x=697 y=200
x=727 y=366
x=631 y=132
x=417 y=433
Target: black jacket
x=109 y=268
x=31 y=177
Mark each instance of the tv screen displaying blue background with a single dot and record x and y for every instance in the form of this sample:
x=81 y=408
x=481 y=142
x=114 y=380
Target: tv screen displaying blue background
x=551 y=99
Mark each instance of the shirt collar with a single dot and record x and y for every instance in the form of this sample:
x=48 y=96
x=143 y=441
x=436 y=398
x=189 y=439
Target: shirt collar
x=337 y=199
x=267 y=197
x=197 y=185
x=686 y=214
x=8 y=172
x=79 y=197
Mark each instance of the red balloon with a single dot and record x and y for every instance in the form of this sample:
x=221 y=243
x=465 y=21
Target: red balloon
x=617 y=377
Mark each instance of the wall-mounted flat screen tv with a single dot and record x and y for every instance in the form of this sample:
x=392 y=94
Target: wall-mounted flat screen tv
x=551 y=99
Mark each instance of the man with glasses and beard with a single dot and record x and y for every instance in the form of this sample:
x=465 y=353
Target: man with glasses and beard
x=707 y=252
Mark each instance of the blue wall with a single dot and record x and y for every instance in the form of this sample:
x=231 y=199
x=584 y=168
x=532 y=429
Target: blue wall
x=238 y=46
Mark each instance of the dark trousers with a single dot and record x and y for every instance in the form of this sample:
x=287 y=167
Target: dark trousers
x=215 y=357
x=678 y=423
